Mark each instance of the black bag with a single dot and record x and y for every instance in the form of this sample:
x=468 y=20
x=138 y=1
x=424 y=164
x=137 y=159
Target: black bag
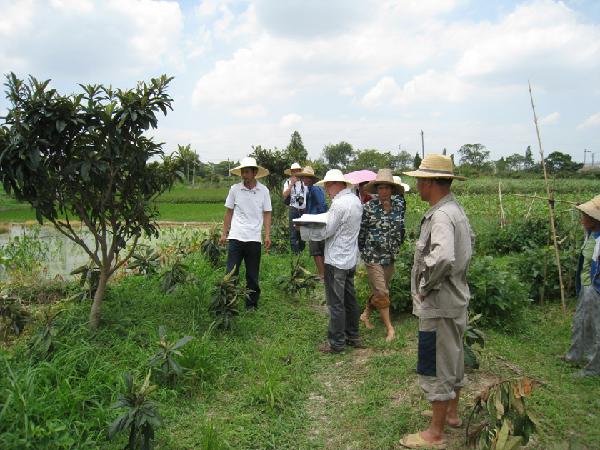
x=286 y=201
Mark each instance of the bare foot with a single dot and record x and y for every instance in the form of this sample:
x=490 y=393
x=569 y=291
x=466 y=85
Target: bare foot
x=391 y=335
x=365 y=320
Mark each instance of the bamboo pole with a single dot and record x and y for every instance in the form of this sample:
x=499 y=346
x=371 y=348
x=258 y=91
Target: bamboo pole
x=550 y=206
x=553 y=200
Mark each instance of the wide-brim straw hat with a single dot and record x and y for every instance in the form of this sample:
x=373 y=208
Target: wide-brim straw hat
x=307 y=172
x=435 y=166
x=398 y=180
x=334 y=175
x=249 y=162
x=384 y=176
x=591 y=207
x=294 y=166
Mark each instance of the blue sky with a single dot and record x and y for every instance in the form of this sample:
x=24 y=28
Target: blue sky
x=370 y=72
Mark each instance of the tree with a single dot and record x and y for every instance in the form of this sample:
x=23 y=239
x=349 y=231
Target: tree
x=371 y=159
x=276 y=161
x=528 y=163
x=403 y=161
x=558 y=162
x=295 y=149
x=515 y=162
x=417 y=161
x=188 y=160
x=337 y=156
x=85 y=156
x=474 y=156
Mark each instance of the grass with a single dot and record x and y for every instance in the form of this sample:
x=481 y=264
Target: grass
x=263 y=385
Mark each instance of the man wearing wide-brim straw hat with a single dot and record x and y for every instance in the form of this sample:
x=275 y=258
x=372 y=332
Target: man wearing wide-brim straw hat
x=585 y=339
x=341 y=255
x=315 y=204
x=440 y=297
x=294 y=195
x=248 y=207
x=381 y=235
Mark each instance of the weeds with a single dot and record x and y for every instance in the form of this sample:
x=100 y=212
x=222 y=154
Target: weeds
x=145 y=261
x=473 y=336
x=13 y=316
x=42 y=343
x=299 y=279
x=226 y=298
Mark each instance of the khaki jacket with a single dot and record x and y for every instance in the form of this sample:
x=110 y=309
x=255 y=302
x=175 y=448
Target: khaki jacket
x=439 y=275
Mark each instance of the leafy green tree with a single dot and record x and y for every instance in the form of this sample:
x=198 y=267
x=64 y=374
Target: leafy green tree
x=338 y=156
x=558 y=162
x=276 y=161
x=402 y=161
x=295 y=149
x=189 y=161
x=371 y=159
x=474 y=155
x=417 y=161
x=528 y=161
x=515 y=162
x=501 y=166
x=85 y=157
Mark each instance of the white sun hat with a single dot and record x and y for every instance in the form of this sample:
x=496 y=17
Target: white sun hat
x=249 y=162
x=294 y=166
x=398 y=180
x=334 y=175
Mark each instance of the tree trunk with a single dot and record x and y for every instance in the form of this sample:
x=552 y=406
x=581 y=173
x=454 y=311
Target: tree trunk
x=98 y=297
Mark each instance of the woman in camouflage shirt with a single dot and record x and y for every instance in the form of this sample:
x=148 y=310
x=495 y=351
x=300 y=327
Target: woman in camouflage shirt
x=380 y=237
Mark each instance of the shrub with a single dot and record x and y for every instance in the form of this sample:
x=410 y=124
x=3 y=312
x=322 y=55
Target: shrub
x=164 y=360
x=298 y=279
x=514 y=237
x=496 y=293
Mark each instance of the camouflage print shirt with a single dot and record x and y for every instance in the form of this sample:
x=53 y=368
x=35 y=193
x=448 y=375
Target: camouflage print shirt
x=381 y=233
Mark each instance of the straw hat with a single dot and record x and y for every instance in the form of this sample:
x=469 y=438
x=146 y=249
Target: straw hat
x=334 y=175
x=591 y=208
x=294 y=166
x=307 y=172
x=435 y=166
x=398 y=180
x=384 y=176
x=249 y=162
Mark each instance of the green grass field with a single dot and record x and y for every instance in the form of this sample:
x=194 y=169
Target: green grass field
x=263 y=385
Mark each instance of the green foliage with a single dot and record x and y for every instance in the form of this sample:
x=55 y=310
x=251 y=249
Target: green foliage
x=24 y=254
x=86 y=156
x=174 y=276
x=473 y=336
x=400 y=297
x=13 y=315
x=474 y=157
x=338 y=156
x=298 y=279
x=295 y=149
x=499 y=419
x=140 y=418
x=145 y=261
x=164 y=360
x=227 y=295
x=42 y=342
x=276 y=161
x=516 y=236
x=561 y=163
x=210 y=247
x=496 y=292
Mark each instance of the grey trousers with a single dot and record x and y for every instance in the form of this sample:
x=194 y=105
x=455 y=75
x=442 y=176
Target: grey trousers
x=344 y=312
x=585 y=340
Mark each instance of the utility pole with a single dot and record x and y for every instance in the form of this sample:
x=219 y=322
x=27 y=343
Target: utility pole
x=585 y=152
x=422 y=145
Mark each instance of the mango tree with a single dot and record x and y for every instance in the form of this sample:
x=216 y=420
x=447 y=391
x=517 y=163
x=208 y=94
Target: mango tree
x=84 y=159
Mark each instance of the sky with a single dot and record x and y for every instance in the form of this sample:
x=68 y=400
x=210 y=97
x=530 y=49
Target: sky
x=373 y=73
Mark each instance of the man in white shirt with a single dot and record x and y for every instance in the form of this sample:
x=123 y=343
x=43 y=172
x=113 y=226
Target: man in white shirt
x=248 y=206
x=341 y=256
x=295 y=190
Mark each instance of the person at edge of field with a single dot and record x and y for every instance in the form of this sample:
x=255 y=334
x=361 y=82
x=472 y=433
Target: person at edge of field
x=381 y=235
x=248 y=207
x=440 y=298
x=341 y=255
x=315 y=204
x=294 y=195
x=585 y=340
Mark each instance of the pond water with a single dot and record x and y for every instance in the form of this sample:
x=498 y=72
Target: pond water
x=58 y=255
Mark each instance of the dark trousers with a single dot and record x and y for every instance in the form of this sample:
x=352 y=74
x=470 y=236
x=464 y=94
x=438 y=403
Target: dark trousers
x=249 y=252
x=296 y=243
x=344 y=312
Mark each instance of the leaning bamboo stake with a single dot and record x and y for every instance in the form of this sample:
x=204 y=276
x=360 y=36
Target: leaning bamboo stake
x=548 y=199
x=550 y=206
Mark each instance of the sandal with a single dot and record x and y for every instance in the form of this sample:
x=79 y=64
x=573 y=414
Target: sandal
x=416 y=441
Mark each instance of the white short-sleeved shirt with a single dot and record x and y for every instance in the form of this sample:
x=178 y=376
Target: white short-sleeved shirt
x=299 y=189
x=248 y=207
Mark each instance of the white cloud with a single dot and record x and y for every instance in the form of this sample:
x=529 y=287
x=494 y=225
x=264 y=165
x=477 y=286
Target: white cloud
x=591 y=122
x=550 y=119
x=290 y=119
